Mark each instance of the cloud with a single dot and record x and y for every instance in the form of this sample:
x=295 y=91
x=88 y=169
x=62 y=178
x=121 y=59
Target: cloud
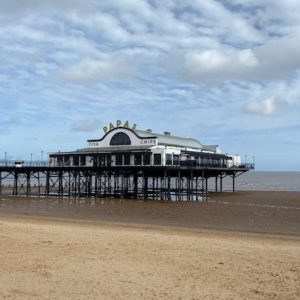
x=90 y=71
x=265 y=107
x=28 y=6
x=85 y=125
x=214 y=66
x=276 y=59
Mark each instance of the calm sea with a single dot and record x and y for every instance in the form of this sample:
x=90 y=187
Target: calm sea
x=266 y=181
x=252 y=180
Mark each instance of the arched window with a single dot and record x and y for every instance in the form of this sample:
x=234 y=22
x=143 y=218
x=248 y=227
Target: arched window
x=120 y=138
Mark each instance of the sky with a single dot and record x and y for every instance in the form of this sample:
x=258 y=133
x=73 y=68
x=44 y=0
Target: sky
x=223 y=72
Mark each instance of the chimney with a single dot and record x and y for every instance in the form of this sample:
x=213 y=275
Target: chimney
x=149 y=130
x=167 y=133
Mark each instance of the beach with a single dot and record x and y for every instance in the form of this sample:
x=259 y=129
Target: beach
x=244 y=245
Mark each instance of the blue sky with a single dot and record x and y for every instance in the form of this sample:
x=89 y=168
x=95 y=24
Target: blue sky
x=224 y=72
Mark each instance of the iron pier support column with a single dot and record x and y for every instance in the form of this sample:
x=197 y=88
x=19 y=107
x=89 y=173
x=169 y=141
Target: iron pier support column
x=191 y=187
x=202 y=185
x=79 y=183
x=233 y=182
x=135 y=185
x=39 y=183
x=47 y=183
x=15 y=190
x=165 y=185
x=96 y=184
x=60 y=184
x=145 y=186
x=206 y=187
x=179 y=186
x=28 y=186
x=221 y=183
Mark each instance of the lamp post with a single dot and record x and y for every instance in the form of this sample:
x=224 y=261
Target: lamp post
x=5 y=159
x=42 y=156
x=31 y=159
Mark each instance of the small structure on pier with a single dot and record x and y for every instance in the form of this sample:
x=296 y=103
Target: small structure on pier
x=128 y=163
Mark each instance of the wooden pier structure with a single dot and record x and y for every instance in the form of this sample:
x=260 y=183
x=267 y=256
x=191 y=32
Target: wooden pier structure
x=175 y=183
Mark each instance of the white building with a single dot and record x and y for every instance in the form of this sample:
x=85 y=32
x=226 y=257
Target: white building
x=123 y=146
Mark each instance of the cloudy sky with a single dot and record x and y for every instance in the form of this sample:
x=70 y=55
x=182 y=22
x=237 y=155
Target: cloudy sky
x=226 y=72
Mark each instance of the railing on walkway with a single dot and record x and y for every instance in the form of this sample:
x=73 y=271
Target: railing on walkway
x=182 y=163
x=25 y=163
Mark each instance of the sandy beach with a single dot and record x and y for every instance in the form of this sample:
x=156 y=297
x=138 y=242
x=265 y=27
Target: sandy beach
x=241 y=246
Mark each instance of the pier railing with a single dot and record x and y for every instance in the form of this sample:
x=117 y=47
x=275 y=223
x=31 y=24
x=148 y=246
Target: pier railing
x=25 y=163
x=181 y=163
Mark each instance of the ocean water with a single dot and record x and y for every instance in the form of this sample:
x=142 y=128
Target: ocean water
x=252 y=180
x=265 y=181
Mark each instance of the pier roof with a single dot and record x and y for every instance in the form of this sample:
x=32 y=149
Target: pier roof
x=177 y=141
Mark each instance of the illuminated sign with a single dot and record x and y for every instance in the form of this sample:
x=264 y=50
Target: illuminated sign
x=118 y=124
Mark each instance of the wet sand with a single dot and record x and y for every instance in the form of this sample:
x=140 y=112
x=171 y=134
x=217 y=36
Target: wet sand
x=264 y=212
x=106 y=249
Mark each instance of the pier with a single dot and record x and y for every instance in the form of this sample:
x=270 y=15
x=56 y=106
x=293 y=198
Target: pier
x=176 y=183
x=126 y=163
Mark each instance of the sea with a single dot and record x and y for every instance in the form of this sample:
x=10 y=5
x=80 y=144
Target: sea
x=251 y=181
x=264 y=181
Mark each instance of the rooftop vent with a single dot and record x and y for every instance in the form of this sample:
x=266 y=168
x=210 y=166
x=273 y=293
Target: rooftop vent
x=149 y=130
x=167 y=133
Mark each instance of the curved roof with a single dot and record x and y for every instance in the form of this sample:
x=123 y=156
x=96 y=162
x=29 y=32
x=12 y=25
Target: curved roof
x=171 y=140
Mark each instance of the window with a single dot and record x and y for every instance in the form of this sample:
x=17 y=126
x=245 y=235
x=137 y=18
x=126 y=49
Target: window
x=119 y=159
x=101 y=160
x=138 y=159
x=59 y=160
x=108 y=160
x=82 y=160
x=168 y=159
x=120 y=138
x=75 y=160
x=126 y=159
x=157 y=159
x=175 y=159
x=146 y=159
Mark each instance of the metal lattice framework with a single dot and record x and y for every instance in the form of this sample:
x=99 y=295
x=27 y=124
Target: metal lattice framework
x=139 y=182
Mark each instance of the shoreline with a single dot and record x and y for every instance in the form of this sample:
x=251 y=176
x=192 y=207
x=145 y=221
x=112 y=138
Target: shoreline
x=37 y=219
x=250 y=212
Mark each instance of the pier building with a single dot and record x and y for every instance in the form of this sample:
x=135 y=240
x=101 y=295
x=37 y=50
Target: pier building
x=123 y=146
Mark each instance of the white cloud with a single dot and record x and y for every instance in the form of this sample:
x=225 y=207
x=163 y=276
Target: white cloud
x=29 y=6
x=265 y=107
x=213 y=66
x=277 y=59
x=89 y=71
